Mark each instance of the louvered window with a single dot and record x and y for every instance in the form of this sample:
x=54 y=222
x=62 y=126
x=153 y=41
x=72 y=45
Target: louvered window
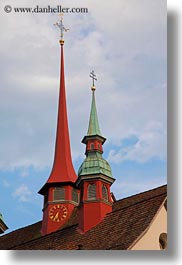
x=92 y=146
x=91 y=192
x=104 y=193
x=75 y=195
x=59 y=194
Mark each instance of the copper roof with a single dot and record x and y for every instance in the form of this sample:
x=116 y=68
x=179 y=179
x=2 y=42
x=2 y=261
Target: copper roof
x=119 y=229
x=93 y=128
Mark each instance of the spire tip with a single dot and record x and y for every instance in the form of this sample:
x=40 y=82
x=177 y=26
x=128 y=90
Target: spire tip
x=93 y=76
x=93 y=88
x=62 y=28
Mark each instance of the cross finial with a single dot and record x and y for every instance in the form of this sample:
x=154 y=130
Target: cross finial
x=62 y=28
x=93 y=76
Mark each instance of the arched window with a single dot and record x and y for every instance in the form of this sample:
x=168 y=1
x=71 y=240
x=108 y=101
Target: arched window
x=59 y=194
x=92 y=146
x=91 y=192
x=163 y=241
x=104 y=193
x=75 y=195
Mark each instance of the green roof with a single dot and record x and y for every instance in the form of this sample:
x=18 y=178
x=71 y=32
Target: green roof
x=95 y=164
x=93 y=128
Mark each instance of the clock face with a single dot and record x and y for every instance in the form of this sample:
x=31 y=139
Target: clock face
x=58 y=213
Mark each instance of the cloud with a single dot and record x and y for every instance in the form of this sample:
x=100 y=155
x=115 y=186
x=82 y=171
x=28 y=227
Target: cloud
x=124 y=42
x=150 y=143
x=132 y=186
x=24 y=172
x=22 y=193
x=6 y=184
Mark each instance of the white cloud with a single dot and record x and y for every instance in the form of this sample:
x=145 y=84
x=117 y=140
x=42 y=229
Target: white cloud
x=24 y=172
x=151 y=143
x=130 y=187
x=6 y=184
x=124 y=41
x=22 y=193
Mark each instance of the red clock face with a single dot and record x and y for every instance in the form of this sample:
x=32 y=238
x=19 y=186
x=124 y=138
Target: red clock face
x=58 y=213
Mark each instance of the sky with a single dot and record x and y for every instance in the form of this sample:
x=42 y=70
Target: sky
x=124 y=41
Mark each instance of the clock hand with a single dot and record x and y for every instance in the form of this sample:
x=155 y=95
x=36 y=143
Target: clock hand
x=56 y=217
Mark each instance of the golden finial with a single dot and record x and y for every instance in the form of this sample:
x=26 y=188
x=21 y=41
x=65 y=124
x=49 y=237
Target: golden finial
x=60 y=25
x=93 y=76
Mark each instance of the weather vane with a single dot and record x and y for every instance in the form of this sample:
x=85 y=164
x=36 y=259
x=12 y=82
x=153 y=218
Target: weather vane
x=93 y=76
x=62 y=28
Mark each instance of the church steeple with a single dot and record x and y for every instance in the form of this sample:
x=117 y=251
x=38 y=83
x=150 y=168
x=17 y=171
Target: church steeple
x=62 y=170
x=93 y=128
x=60 y=194
x=94 y=175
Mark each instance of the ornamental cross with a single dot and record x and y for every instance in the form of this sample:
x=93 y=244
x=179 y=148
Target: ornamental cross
x=93 y=76
x=60 y=25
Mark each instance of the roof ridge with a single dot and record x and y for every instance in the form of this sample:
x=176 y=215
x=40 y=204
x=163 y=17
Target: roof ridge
x=20 y=228
x=146 y=191
x=43 y=236
x=141 y=200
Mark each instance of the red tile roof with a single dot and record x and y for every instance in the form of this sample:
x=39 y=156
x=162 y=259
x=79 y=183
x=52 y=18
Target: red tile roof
x=119 y=229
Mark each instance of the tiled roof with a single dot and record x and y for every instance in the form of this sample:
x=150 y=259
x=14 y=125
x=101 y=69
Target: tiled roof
x=20 y=236
x=119 y=229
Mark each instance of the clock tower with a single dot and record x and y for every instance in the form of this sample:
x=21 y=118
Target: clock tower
x=60 y=192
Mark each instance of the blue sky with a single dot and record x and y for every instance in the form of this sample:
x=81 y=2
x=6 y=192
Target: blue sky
x=125 y=43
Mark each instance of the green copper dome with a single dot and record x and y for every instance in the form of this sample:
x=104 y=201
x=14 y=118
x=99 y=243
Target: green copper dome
x=95 y=164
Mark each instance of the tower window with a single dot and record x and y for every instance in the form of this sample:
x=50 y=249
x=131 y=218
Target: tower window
x=91 y=192
x=75 y=195
x=104 y=193
x=92 y=146
x=59 y=194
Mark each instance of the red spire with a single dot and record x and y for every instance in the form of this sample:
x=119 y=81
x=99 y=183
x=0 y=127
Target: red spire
x=62 y=170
